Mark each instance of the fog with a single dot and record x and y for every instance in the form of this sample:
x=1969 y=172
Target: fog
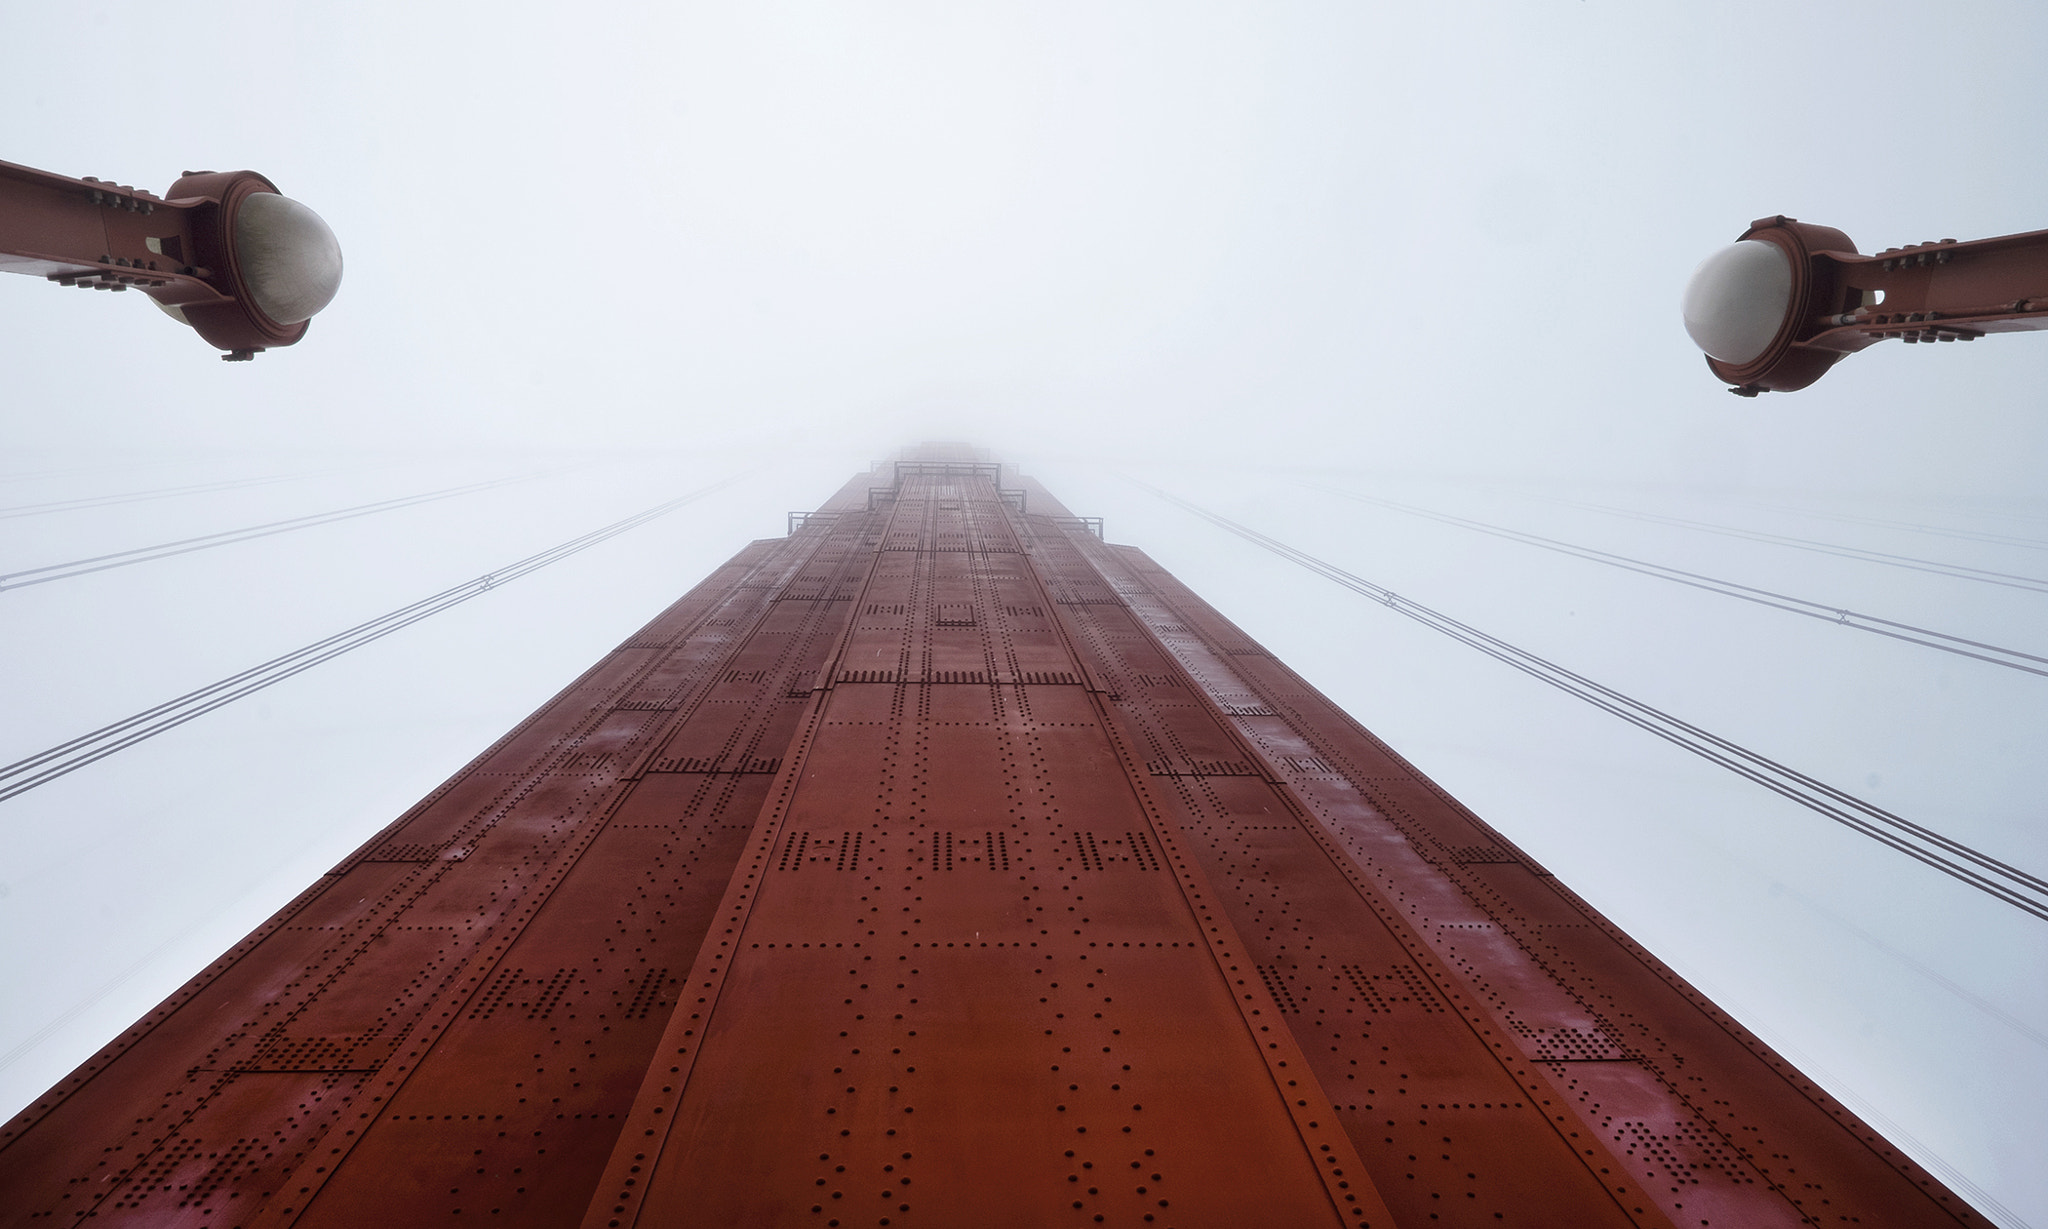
x=1257 y=256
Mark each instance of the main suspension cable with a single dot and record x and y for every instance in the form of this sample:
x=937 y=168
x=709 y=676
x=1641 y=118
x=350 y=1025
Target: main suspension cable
x=73 y=754
x=1967 y=535
x=2035 y=584
x=136 y=497
x=2015 y=887
x=2012 y=659
x=164 y=550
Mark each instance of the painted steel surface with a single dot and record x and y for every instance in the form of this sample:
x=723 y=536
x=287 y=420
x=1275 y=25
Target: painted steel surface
x=941 y=864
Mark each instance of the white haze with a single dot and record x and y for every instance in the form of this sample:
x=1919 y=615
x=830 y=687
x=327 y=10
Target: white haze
x=1243 y=252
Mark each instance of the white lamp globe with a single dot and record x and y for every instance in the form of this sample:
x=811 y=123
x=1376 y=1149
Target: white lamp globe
x=289 y=258
x=1737 y=300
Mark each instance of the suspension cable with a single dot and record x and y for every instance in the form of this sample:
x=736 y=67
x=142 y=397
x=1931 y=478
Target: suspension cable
x=136 y=497
x=1967 y=535
x=2012 y=659
x=2015 y=887
x=164 y=550
x=73 y=754
x=2009 y=580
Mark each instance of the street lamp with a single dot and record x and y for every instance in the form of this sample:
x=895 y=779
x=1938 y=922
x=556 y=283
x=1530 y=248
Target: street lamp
x=1789 y=299
x=221 y=251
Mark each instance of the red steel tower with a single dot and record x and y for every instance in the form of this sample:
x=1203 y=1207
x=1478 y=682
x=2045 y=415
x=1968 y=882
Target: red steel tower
x=943 y=864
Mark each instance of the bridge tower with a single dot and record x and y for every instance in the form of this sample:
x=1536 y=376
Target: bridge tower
x=943 y=864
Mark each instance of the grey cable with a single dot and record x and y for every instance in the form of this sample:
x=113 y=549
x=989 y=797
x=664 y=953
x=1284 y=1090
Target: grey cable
x=1997 y=879
x=164 y=550
x=75 y=753
x=2013 y=659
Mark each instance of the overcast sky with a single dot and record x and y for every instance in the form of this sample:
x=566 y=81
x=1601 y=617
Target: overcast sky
x=1256 y=254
